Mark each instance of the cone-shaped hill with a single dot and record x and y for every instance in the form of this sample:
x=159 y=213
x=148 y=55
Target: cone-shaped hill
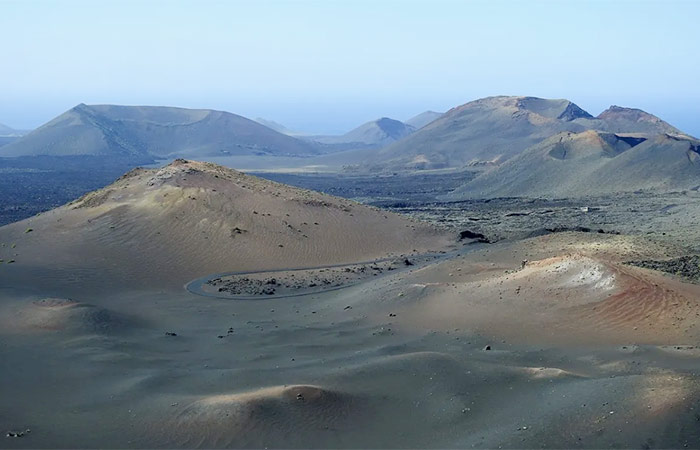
x=592 y=163
x=618 y=119
x=491 y=129
x=152 y=132
x=373 y=134
x=190 y=219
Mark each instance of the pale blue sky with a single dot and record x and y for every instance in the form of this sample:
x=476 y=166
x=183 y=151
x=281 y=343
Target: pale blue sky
x=326 y=66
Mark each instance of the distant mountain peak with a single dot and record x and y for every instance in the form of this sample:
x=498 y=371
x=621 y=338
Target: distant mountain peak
x=153 y=132
x=499 y=127
x=637 y=120
x=559 y=109
x=278 y=127
x=376 y=133
x=7 y=131
x=617 y=111
x=572 y=112
x=393 y=128
x=423 y=119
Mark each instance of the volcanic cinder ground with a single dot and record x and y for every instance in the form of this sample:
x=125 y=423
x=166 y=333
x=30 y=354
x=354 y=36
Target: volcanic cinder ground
x=550 y=341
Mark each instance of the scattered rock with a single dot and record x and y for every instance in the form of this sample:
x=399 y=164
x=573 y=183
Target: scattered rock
x=237 y=230
x=17 y=434
x=686 y=266
x=467 y=234
x=579 y=229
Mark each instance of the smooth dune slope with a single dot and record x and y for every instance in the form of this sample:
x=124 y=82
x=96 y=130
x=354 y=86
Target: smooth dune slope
x=190 y=219
x=152 y=131
x=552 y=341
x=564 y=288
x=592 y=163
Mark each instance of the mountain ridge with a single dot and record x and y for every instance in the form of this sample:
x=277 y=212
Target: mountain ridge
x=153 y=131
x=278 y=127
x=591 y=163
x=420 y=120
x=492 y=130
x=7 y=131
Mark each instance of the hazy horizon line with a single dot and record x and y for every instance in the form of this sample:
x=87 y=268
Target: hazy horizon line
x=350 y=121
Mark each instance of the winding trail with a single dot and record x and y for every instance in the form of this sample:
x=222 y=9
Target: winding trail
x=196 y=286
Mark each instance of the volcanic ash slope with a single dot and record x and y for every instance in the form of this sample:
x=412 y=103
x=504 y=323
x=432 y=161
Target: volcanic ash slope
x=592 y=163
x=190 y=219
